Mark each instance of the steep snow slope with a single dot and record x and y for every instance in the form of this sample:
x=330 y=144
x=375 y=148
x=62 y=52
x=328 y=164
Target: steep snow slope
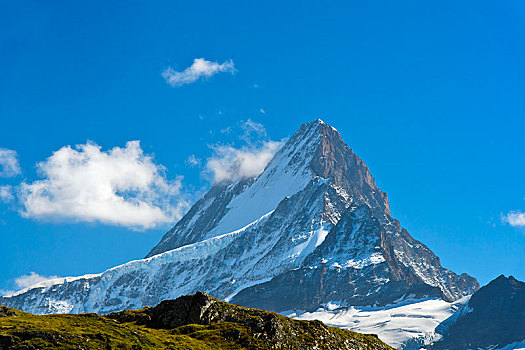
x=286 y=174
x=102 y=292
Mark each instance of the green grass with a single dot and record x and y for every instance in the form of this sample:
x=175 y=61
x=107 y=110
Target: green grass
x=91 y=331
x=129 y=330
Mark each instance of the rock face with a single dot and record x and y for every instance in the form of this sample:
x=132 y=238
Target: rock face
x=188 y=322
x=272 y=330
x=312 y=228
x=493 y=318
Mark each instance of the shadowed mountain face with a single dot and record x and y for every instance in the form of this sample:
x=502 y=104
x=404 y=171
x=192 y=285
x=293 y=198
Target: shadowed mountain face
x=312 y=228
x=493 y=318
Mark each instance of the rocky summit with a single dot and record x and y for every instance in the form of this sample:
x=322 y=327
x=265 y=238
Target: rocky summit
x=312 y=229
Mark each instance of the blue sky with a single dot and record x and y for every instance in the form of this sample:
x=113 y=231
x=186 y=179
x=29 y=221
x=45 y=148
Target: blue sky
x=429 y=94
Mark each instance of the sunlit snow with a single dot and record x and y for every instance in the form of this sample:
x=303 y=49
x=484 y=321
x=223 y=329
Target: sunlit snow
x=395 y=325
x=285 y=175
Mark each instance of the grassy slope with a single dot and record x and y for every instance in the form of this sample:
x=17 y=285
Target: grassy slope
x=127 y=330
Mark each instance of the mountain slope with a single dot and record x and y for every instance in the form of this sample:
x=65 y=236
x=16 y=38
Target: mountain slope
x=313 y=228
x=189 y=322
x=493 y=318
x=245 y=201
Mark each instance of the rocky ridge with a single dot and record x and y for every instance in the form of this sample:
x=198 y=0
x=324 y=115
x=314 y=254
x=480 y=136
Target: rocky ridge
x=493 y=318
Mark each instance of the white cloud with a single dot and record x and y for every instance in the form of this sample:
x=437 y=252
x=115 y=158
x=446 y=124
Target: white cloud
x=252 y=131
x=25 y=281
x=9 y=166
x=193 y=161
x=6 y=194
x=226 y=130
x=515 y=218
x=199 y=69
x=262 y=111
x=229 y=163
x=121 y=186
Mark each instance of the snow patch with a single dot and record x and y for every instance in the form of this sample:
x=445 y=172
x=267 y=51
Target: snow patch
x=373 y=259
x=316 y=238
x=59 y=307
x=395 y=324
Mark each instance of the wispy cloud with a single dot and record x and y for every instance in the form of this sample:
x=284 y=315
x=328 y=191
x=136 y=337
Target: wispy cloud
x=9 y=166
x=121 y=186
x=193 y=161
x=515 y=218
x=226 y=130
x=199 y=69
x=6 y=194
x=25 y=281
x=230 y=163
x=253 y=131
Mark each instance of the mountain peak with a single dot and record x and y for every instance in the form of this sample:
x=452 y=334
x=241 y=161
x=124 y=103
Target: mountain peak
x=318 y=121
x=336 y=161
x=316 y=124
x=315 y=151
x=313 y=222
x=504 y=282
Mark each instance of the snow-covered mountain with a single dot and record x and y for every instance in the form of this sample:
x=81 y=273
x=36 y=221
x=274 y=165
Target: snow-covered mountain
x=312 y=230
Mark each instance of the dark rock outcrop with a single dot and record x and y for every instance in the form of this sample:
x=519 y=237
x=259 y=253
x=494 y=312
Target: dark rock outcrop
x=7 y=311
x=273 y=330
x=189 y=322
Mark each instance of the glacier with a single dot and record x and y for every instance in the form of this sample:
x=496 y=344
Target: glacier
x=399 y=325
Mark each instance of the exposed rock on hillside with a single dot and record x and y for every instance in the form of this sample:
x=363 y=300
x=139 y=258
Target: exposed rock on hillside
x=189 y=322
